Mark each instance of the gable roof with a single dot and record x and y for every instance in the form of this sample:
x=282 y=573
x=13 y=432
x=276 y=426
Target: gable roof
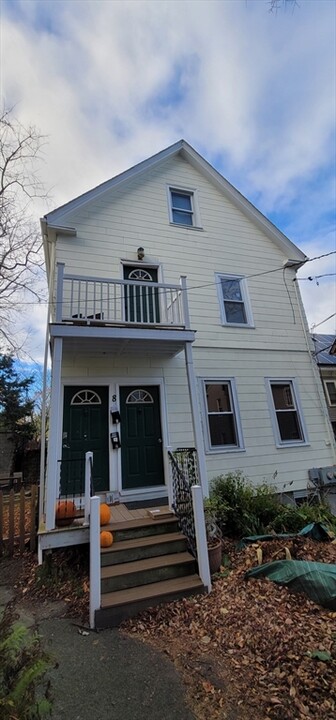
x=324 y=348
x=57 y=218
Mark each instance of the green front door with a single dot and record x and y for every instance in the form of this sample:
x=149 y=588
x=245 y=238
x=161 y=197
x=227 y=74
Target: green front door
x=141 y=438
x=85 y=428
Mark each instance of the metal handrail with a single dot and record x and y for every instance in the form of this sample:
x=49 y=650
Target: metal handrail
x=183 y=504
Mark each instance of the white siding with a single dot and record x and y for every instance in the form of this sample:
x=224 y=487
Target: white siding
x=113 y=227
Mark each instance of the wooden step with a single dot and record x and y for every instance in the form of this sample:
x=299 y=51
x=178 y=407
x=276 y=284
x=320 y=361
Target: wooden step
x=141 y=527
x=125 y=551
x=146 y=571
x=122 y=604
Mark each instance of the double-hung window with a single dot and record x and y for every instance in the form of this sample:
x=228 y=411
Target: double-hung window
x=286 y=414
x=330 y=386
x=183 y=207
x=221 y=407
x=234 y=300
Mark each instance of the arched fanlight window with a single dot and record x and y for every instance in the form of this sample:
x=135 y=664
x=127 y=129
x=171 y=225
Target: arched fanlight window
x=86 y=397
x=139 y=396
x=140 y=274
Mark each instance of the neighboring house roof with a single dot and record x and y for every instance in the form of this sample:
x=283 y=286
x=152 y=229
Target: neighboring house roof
x=323 y=349
x=55 y=221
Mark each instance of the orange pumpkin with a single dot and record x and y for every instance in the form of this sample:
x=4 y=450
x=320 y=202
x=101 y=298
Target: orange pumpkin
x=65 y=512
x=105 y=515
x=106 y=539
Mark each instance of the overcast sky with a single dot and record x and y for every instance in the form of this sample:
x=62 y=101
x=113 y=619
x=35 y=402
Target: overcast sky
x=111 y=83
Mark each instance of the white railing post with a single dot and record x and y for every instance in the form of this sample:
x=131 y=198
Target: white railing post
x=95 y=591
x=88 y=465
x=201 y=539
x=168 y=476
x=185 y=306
x=59 y=291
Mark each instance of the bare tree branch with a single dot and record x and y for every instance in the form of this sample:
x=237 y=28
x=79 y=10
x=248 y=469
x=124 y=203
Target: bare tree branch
x=276 y=5
x=21 y=259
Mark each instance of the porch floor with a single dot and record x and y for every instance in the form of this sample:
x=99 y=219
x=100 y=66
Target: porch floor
x=120 y=514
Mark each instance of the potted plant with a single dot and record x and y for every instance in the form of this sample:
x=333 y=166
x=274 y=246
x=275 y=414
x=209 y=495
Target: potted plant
x=214 y=540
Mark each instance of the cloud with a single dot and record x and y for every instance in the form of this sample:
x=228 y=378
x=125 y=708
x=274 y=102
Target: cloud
x=111 y=83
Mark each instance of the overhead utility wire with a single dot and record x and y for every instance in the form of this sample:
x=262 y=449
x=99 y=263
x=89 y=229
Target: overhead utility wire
x=217 y=282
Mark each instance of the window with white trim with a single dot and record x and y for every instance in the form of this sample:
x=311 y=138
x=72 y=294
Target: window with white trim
x=330 y=386
x=223 y=424
x=233 y=299
x=183 y=207
x=286 y=414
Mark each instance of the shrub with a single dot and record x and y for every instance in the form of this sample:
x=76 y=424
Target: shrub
x=240 y=509
x=293 y=519
x=234 y=503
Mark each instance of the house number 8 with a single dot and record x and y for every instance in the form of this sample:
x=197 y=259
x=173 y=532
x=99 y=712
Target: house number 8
x=114 y=397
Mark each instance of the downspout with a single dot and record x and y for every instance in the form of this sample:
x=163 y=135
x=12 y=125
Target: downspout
x=45 y=383
x=331 y=440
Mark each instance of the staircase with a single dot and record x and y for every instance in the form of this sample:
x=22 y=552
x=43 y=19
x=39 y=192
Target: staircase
x=148 y=564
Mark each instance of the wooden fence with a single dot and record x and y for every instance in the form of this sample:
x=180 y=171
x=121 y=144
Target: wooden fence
x=18 y=520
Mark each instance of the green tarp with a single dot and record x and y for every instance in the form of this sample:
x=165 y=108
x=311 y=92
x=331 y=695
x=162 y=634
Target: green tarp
x=315 y=579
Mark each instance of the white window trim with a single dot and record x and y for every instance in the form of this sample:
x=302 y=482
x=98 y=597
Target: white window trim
x=329 y=380
x=245 y=296
x=194 y=206
x=220 y=449
x=286 y=443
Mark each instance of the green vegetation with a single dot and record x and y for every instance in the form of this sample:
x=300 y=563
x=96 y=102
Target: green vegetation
x=22 y=668
x=240 y=509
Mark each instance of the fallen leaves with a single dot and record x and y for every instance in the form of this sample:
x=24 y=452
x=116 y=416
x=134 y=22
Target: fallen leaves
x=253 y=646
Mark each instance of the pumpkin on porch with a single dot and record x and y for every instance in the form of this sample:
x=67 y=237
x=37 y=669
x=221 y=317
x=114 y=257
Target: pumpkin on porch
x=106 y=539
x=65 y=512
x=105 y=514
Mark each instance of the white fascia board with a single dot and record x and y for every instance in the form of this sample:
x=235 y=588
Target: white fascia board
x=114 y=182
x=241 y=202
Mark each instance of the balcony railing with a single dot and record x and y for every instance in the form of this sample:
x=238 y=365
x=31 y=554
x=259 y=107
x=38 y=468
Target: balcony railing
x=105 y=301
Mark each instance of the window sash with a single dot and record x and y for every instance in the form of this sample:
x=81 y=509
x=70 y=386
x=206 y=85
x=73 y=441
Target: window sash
x=288 y=418
x=330 y=386
x=222 y=424
x=181 y=215
x=234 y=301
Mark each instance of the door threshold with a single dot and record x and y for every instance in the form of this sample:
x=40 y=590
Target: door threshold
x=138 y=504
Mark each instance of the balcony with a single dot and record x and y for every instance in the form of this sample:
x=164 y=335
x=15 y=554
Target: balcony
x=151 y=315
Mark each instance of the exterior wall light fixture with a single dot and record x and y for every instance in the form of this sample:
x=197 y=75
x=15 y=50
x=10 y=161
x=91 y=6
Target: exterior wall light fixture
x=141 y=253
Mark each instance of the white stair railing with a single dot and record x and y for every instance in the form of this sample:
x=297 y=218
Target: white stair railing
x=88 y=486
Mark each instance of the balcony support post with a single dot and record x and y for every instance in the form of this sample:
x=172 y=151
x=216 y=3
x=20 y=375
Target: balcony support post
x=53 y=467
x=196 y=418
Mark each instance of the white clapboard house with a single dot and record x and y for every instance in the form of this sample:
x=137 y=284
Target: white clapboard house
x=180 y=351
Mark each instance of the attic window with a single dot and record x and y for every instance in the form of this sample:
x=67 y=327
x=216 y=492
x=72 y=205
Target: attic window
x=183 y=207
